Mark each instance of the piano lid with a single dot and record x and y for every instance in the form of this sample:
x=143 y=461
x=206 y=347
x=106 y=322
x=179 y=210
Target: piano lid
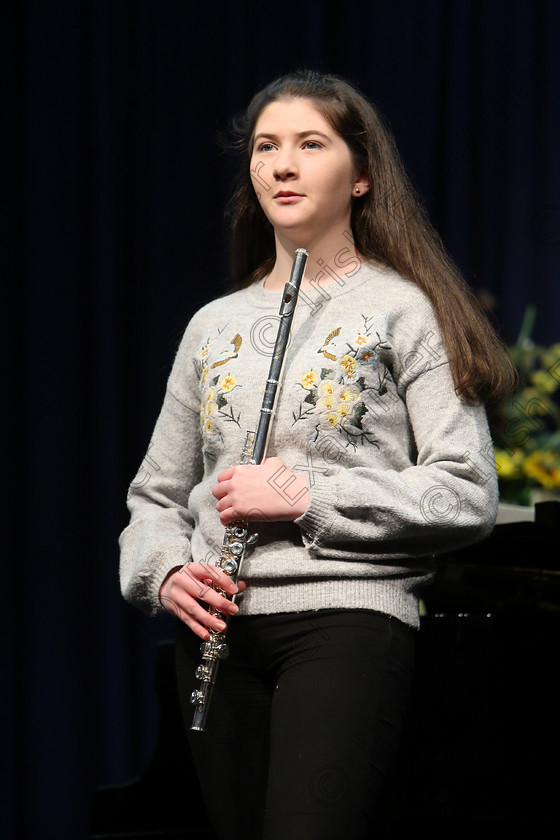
x=514 y=513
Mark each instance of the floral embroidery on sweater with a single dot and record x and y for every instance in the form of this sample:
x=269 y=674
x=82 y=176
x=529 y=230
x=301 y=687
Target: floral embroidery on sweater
x=334 y=398
x=215 y=389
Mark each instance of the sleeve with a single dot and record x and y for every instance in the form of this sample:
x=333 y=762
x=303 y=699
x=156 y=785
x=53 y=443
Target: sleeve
x=157 y=538
x=447 y=499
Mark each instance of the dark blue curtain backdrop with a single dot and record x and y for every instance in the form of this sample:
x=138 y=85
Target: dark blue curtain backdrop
x=114 y=191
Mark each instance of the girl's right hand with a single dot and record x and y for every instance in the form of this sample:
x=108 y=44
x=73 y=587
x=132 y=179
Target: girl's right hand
x=186 y=585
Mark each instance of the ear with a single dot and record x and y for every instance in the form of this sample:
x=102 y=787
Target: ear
x=360 y=185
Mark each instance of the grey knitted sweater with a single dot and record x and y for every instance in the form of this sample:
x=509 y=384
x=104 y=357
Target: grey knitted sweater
x=399 y=467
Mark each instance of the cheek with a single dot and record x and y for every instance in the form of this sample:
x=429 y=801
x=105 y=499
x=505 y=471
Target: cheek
x=339 y=180
x=257 y=172
x=337 y=191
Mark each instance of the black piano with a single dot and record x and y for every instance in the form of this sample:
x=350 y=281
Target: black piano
x=482 y=742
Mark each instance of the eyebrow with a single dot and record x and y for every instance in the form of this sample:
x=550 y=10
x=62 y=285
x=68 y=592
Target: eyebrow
x=300 y=135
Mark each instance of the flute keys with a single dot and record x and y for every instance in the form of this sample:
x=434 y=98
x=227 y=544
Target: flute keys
x=197 y=697
x=230 y=565
x=236 y=548
x=214 y=650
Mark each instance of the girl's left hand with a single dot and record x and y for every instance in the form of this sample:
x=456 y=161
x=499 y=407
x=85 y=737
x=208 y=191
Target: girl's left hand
x=268 y=492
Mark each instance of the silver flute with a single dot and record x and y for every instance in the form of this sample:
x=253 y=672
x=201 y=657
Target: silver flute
x=237 y=537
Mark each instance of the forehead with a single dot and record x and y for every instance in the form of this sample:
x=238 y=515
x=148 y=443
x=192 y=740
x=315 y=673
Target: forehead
x=288 y=115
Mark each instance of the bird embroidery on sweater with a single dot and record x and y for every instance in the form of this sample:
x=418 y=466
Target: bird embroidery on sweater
x=231 y=352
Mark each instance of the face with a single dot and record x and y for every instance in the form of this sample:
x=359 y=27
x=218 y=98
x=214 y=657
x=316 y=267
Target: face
x=302 y=171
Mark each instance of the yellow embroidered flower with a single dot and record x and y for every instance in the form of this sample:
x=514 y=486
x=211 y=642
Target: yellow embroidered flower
x=332 y=419
x=327 y=401
x=343 y=409
x=210 y=407
x=348 y=395
x=228 y=383
x=348 y=364
x=361 y=339
x=327 y=387
x=308 y=379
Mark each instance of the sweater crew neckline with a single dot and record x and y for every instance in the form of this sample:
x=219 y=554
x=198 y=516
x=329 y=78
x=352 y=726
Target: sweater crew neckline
x=317 y=293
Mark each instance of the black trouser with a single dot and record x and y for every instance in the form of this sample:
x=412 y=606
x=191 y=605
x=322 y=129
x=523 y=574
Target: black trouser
x=304 y=722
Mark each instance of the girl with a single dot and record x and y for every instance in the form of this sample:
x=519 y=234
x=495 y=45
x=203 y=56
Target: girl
x=379 y=457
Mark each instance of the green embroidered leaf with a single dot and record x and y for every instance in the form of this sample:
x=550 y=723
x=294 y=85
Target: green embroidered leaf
x=357 y=415
x=214 y=381
x=326 y=373
x=221 y=401
x=311 y=397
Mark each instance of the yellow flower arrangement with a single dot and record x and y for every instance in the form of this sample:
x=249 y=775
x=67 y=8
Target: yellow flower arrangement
x=526 y=428
x=509 y=464
x=215 y=403
x=333 y=393
x=544 y=467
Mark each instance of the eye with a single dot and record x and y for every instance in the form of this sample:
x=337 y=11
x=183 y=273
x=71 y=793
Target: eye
x=266 y=146
x=312 y=144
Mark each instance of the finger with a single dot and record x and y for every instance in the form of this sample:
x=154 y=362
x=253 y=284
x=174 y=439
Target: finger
x=194 y=615
x=223 y=504
x=229 y=515
x=220 y=490
x=233 y=589
x=225 y=475
x=202 y=631
x=197 y=578
x=223 y=603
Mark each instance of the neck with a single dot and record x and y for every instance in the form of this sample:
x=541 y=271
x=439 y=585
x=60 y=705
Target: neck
x=330 y=261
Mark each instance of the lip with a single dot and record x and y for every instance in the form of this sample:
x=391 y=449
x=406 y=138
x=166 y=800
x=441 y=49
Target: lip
x=287 y=196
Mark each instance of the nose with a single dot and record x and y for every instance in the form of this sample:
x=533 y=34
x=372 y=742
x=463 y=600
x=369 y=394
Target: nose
x=285 y=165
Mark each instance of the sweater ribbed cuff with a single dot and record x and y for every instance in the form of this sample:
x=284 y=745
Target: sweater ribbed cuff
x=317 y=520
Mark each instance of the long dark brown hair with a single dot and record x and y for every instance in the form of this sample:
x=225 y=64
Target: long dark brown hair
x=389 y=226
